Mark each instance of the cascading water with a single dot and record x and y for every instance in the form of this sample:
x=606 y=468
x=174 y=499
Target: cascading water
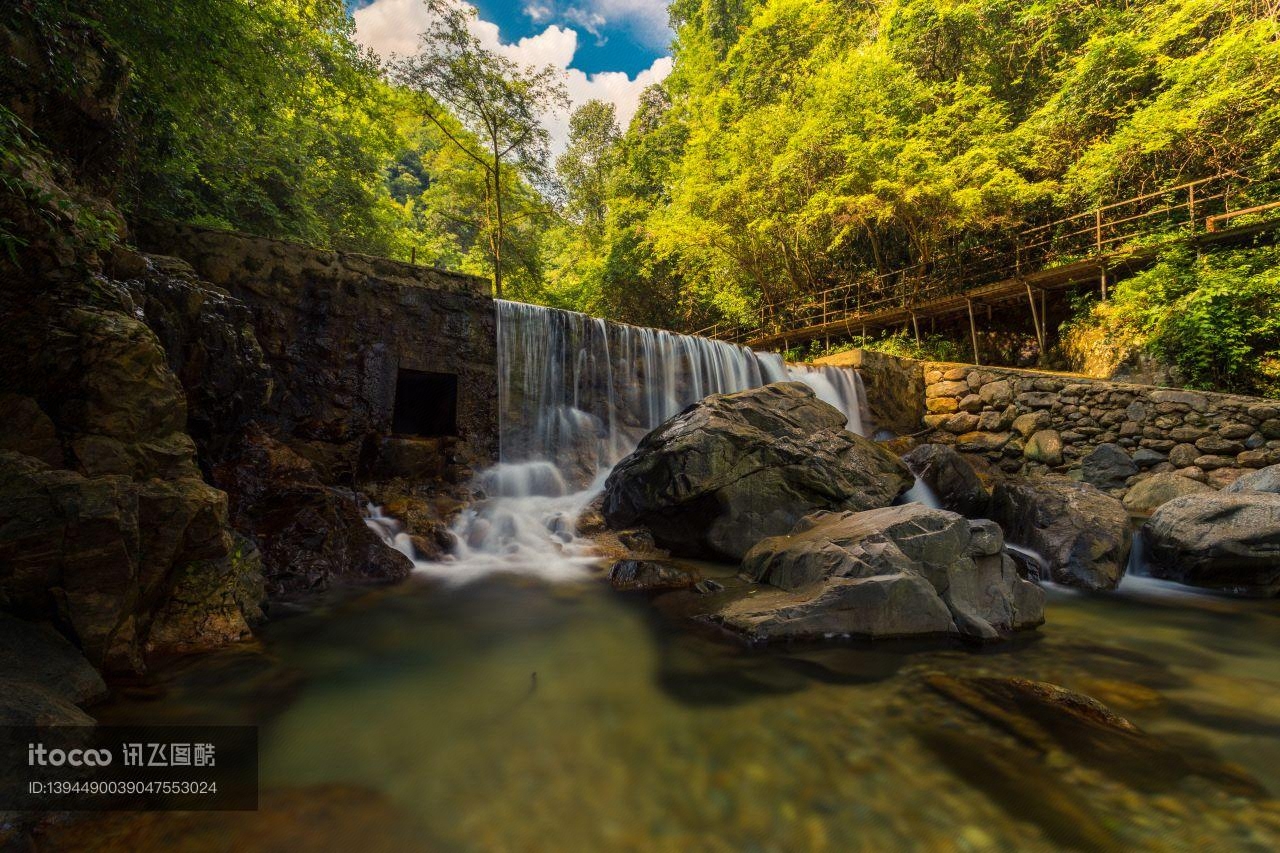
x=841 y=388
x=575 y=395
x=921 y=493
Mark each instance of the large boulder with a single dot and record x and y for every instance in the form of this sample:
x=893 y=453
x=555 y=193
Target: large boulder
x=1083 y=534
x=43 y=677
x=1157 y=490
x=1263 y=480
x=1226 y=540
x=38 y=654
x=311 y=536
x=897 y=572
x=950 y=477
x=736 y=468
x=1107 y=466
x=109 y=559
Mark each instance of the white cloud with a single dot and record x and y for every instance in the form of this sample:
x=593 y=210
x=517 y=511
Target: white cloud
x=392 y=26
x=539 y=13
x=613 y=86
x=647 y=19
x=592 y=22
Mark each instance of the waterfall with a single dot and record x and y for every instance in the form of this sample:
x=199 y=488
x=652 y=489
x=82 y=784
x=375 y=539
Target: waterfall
x=920 y=493
x=842 y=388
x=580 y=393
x=575 y=395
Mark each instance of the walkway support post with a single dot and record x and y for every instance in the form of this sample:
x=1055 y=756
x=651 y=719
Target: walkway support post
x=915 y=325
x=1045 y=315
x=1035 y=318
x=1103 y=280
x=973 y=333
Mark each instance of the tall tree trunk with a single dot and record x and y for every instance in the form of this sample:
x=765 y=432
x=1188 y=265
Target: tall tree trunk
x=500 y=230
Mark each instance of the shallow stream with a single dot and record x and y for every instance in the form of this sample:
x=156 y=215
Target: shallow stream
x=517 y=715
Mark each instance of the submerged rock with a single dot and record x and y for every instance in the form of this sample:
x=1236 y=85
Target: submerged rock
x=651 y=575
x=1082 y=533
x=1224 y=540
x=897 y=572
x=1046 y=717
x=736 y=468
x=1019 y=785
x=950 y=477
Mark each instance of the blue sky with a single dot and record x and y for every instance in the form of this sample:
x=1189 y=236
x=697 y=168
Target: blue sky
x=613 y=35
x=608 y=50
x=606 y=42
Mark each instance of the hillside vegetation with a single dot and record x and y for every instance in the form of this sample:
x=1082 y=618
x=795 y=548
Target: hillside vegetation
x=798 y=145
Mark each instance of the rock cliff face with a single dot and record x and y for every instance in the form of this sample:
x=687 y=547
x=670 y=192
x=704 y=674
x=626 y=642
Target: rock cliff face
x=107 y=526
x=170 y=449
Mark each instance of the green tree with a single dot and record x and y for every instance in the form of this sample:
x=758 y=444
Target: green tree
x=586 y=166
x=498 y=101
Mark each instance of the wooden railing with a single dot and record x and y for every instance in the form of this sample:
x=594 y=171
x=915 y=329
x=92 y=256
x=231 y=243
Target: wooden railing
x=1098 y=234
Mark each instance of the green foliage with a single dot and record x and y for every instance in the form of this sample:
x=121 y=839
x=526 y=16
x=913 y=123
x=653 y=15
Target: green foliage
x=900 y=344
x=266 y=117
x=35 y=205
x=797 y=146
x=1216 y=318
x=262 y=116
x=804 y=144
x=498 y=102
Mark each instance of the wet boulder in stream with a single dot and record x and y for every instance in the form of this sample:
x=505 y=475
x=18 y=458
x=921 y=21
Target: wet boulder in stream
x=1220 y=540
x=1082 y=533
x=893 y=573
x=951 y=478
x=736 y=468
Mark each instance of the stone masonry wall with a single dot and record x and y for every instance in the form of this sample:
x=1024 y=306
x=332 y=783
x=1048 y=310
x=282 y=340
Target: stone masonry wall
x=1030 y=422
x=335 y=328
x=894 y=386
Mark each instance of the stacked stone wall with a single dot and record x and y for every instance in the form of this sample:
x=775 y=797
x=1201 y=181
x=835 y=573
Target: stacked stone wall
x=1031 y=422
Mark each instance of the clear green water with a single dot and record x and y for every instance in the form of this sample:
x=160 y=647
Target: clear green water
x=411 y=718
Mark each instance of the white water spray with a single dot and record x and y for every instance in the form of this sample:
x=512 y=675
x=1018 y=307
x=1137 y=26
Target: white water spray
x=920 y=493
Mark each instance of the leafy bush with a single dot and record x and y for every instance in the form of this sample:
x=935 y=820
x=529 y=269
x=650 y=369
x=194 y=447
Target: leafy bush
x=1215 y=318
x=900 y=344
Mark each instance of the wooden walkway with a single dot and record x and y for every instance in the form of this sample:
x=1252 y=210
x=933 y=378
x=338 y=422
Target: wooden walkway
x=1090 y=249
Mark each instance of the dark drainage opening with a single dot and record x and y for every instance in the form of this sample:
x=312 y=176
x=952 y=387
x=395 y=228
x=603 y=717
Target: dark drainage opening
x=426 y=404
